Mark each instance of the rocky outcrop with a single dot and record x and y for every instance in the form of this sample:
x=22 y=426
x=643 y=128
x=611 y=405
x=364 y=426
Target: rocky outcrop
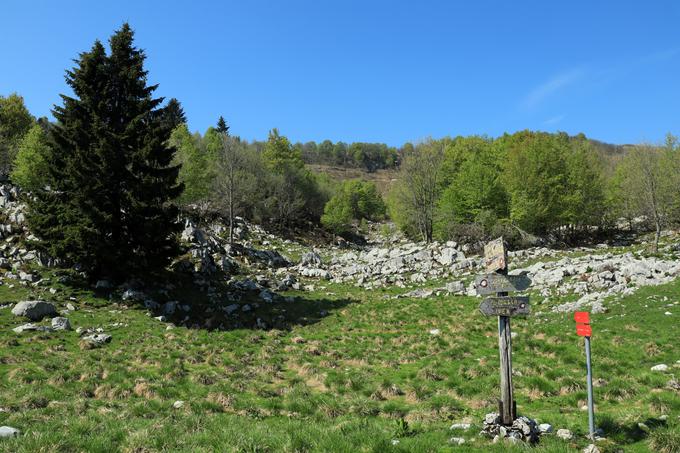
x=35 y=310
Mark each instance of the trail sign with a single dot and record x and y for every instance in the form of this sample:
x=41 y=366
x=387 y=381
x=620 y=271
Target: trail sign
x=500 y=283
x=583 y=329
x=582 y=317
x=505 y=306
x=495 y=255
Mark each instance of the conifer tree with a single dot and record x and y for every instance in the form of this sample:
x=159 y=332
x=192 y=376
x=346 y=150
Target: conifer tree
x=107 y=207
x=222 y=127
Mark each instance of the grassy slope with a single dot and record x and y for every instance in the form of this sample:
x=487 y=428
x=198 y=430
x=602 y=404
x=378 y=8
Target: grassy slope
x=359 y=370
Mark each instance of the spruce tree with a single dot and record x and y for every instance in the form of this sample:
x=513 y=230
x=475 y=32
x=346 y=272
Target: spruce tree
x=108 y=205
x=222 y=127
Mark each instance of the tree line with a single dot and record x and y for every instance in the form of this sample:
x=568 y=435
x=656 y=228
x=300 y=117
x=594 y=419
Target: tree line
x=557 y=186
x=108 y=178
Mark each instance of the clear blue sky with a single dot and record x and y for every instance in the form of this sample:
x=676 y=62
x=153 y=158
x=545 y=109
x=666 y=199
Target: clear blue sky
x=385 y=71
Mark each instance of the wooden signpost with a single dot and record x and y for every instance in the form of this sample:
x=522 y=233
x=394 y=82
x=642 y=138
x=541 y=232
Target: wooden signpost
x=497 y=281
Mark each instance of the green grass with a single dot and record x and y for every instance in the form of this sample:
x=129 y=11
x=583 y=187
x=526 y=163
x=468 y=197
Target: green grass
x=362 y=377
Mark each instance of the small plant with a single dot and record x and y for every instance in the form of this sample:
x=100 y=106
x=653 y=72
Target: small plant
x=402 y=428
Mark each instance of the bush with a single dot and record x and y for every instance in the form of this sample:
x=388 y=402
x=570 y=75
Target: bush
x=355 y=201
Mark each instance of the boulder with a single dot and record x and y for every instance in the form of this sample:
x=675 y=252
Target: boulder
x=61 y=323
x=35 y=310
x=660 y=367
x=8 y=431
x=311 y=259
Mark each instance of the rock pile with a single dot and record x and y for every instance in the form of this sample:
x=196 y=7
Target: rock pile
x=522 y=429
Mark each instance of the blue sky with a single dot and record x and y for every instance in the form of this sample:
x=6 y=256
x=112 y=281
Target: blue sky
x=384 y=71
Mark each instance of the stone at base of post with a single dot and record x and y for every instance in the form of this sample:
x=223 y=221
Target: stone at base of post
x=513 y=412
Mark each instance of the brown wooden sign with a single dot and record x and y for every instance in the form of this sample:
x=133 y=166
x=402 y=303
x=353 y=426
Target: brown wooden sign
x=495 y=255
x=505 y=306
x=499 y=283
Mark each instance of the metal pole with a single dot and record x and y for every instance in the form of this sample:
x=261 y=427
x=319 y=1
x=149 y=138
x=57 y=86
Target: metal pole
x=591 y=410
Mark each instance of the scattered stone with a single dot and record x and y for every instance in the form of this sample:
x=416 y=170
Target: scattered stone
x=61 y=323
x=32 y=327
x=310 y=259
x=178 y=404
x=8 y=431
x=95 y=340
x=545 y=428
x=70 y=307
x=461 y=426
x=35 y=310
x=564 y=434
x=27 y=277
x=457 y=440
x=298 y=340
x=592 y=448
x=435 y=331
x=660 y=367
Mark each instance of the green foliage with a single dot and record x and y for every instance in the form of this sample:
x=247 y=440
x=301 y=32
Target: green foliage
x=355 y=201
x=280 y=155
x=15 y=121
x=110 y=176
x=31 y=168
x=536 y=178
x=413 y=199
x=475 y=192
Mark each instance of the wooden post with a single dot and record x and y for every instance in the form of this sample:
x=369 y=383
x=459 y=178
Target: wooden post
x=496 y=261
x=506 y=404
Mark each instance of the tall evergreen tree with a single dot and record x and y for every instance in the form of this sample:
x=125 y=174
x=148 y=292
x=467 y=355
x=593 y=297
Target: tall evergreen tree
x=108 y=206
x=222 y=127
x=173 y=114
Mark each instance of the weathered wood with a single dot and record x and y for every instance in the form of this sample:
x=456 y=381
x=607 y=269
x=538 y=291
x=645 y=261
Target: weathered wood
x=499 y=283
x=495 y=255
x=507 y=406
x=505 y=306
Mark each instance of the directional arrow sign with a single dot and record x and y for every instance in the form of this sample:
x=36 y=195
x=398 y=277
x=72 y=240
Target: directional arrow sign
x=505 y=306
x=499 y=283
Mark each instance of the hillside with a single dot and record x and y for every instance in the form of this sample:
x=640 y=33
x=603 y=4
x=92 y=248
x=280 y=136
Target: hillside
x=382 y=178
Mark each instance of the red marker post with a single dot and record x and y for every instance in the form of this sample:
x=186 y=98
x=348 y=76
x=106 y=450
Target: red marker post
x=583 y=329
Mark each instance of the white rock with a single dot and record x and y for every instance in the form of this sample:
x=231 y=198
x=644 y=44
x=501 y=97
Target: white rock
x=564 y=434
x=178 y=404
x=60 y=323
x=35 y=310
x=457 y=440
x=435 y=331
x=8 y=431
x=660 y=367
x=545 y=428
x=461 y=426
x=592 y=448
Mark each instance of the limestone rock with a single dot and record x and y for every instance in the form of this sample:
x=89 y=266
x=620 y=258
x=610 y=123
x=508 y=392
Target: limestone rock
x=35 y=310
x=61 y=323
x=564 y=434
x=8 y=431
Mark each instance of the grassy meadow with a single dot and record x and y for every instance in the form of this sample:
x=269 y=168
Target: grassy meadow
x=353 y=371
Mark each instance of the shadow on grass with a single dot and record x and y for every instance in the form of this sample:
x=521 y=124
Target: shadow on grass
x=213 y=303
x=632 y=433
